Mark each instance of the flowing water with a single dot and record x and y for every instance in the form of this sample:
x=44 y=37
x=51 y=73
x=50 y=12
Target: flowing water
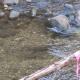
x=63 y=47
x=26 y=46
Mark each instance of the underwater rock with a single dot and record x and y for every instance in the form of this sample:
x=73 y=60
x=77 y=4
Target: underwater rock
x=29 y=0
x=68 y=6
x=27 y=7
x=78 y=18
x=11 y=1
x=61 y=25
x=23 y=7
x=42 y=5
x=34 y=11
x=69 y=12
x=72 y=12
x=68 y=9
x=14 y=14
x=67 y=22
x=2 y=13
x=60 y=22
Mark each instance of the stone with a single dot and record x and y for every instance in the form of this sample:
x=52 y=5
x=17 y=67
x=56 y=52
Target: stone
x=11 y=1
x=42 y=5
x=29 y=0
x=69 y=6
x=68 y=9
x=78 y=18
x=60 y=24
x=34 y=11
x=6 y=7
x=57 y=1
x=2 y=13
x=14 y=14
x=60 y=21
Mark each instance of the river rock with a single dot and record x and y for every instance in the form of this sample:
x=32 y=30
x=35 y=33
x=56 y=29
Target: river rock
x=60 y=21
x=11 y=1
x=2 y=13
x=60 y=24
x=29 y=0
x=78 y=17
x=68 y=9
x=42 y=5
x=14 y=14
x=34 y=11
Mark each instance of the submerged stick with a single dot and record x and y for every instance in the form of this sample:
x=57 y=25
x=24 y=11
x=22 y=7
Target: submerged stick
x=56 y=66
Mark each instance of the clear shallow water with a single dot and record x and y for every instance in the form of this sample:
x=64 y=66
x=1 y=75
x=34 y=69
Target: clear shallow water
x=60 y=47
x=63 y=74
x=63 y=47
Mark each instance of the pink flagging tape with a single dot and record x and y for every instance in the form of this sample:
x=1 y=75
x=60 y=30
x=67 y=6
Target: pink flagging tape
x=77 y=56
